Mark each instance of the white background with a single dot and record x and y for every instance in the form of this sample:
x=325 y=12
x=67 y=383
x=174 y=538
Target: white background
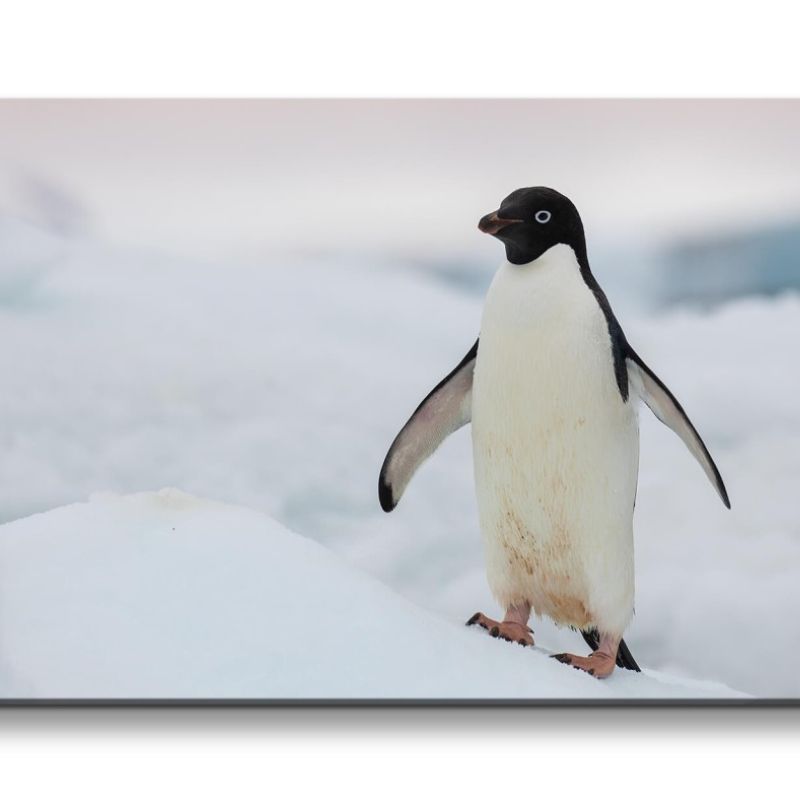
x=411 y=49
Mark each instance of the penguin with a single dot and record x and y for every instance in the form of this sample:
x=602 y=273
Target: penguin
x=551 y=388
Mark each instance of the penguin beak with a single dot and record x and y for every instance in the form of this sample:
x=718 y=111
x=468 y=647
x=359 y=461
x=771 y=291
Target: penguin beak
x=492 y=224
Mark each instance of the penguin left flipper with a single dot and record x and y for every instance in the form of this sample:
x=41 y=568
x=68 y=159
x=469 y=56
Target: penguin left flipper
x=447 y=408
x=668 y=410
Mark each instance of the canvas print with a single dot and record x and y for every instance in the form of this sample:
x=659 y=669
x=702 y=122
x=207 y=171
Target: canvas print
x=399 y=401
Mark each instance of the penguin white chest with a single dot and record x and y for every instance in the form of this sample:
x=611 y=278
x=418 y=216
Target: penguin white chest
x=556 y=448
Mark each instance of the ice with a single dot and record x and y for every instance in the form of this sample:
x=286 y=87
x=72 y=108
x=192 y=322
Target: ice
x=162 y=595
x=278 y=384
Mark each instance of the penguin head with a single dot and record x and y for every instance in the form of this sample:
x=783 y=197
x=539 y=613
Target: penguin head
x=531 y=221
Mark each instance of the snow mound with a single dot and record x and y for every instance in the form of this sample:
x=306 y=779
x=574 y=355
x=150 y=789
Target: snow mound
x=164 y=595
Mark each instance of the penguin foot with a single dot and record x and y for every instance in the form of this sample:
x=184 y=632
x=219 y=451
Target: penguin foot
x=509 y=630
x=599 y=664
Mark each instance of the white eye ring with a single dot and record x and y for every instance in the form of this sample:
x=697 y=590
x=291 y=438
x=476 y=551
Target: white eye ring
x=542 y=216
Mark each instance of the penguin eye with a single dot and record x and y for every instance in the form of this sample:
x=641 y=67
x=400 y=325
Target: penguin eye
x=542 y=216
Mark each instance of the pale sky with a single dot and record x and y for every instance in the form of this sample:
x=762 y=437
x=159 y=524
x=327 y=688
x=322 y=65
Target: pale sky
x=394 y=176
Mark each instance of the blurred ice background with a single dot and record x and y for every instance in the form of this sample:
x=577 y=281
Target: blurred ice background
x=246 y=299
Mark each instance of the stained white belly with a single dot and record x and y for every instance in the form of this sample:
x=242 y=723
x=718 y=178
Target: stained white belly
x=555 y=448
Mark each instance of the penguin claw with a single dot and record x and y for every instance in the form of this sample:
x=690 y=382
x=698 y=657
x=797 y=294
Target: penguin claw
x=597 y=665
x=512 y=632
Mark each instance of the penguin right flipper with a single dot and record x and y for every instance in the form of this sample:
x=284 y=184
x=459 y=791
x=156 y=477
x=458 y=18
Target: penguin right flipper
x=447 y=408
x=669 y=411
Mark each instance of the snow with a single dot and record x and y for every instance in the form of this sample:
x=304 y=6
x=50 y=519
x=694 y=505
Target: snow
x=165 y=595
x=278 y=383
